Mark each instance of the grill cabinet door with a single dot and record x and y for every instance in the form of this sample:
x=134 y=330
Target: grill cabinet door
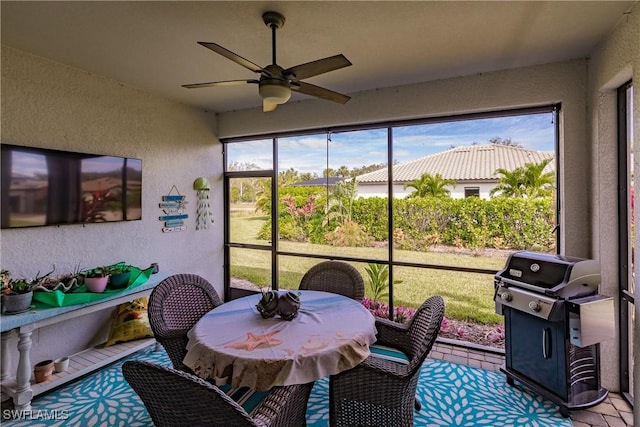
x=536 y=348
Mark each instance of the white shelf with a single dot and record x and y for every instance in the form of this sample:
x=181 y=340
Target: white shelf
x=90 y=360
x=20 y=384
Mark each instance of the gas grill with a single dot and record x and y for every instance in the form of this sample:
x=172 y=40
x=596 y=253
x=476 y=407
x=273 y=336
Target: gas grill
x=554 y=321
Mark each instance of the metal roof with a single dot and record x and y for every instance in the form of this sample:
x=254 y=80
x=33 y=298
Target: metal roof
x=469 y=162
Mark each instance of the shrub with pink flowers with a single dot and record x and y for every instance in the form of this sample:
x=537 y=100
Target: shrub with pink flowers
x=487 y=335
x=490 y=335
x=300 y=213
x=380 y=309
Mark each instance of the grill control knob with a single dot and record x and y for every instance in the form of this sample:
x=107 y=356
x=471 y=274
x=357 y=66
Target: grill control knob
x=506 y=296
x=534 y=306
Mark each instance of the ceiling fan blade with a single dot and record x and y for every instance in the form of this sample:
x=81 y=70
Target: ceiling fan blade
x=320 y=92
x=223 y=83
x=232 y=56
x=268 y=106
x=319 y=66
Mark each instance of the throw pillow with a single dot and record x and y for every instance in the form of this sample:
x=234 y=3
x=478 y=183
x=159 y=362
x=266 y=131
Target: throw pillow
x=131 y=322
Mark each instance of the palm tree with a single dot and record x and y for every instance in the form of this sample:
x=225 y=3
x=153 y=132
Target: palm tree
x=538 y=184
x=288 y=177
x=428 y=185
x=526 y=181
x=511 y=183
x=343 y=171
x=328 y=172
x=340 y=206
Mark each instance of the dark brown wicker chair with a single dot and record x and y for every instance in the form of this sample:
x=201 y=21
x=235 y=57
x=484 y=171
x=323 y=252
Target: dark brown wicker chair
x=380 y=392
x=175 y=305
x=334 y=276
x=177 y=398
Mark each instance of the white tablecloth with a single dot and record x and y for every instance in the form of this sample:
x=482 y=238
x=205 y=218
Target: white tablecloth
x=331 y=333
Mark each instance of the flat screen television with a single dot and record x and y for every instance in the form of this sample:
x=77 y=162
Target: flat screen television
x=41 y=187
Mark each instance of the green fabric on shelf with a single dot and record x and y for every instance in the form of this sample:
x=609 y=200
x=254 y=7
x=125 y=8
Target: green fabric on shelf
x=81 y=296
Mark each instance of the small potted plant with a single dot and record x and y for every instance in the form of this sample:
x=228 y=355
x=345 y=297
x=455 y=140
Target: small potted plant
x=96 y=279
x=268 y=304
x=119 y=276
x=70 y=281
x=17 y=294
x=63 y=283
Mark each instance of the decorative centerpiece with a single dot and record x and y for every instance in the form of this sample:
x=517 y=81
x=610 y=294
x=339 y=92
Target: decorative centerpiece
x=288 y=305
x=268 y=304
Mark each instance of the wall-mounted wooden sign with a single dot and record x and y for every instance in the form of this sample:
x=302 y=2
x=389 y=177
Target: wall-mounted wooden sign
x=173 y=205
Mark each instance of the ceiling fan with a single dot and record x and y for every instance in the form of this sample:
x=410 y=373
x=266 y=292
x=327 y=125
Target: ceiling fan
x=275 y=83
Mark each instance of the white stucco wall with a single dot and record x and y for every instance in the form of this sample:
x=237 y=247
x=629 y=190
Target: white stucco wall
x=615 y=61
x=50 y=105
x=46 y=104
x=400 y=192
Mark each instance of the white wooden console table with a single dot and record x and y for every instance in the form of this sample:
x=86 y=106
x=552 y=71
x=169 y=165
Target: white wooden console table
x=19 y=387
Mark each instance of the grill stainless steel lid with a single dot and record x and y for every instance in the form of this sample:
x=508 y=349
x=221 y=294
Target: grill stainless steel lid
x=552 y=275
x=538 y=283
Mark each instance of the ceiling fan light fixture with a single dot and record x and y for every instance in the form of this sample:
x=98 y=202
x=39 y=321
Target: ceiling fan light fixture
x=274 y=92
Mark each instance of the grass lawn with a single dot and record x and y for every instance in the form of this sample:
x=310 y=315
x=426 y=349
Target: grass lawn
x=468 y=296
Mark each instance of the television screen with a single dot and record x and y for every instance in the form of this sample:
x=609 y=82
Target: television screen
x=51 y=187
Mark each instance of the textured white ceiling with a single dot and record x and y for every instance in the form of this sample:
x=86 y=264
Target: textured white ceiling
x=152 y=45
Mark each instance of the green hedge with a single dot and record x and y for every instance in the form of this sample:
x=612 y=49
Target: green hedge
x=501 y=223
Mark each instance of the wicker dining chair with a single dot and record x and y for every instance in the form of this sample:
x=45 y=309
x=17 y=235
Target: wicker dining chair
x=334 y=276
x=177 y=398
x=382 y=392
x=175 y=305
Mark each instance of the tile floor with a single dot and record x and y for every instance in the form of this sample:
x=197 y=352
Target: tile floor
x=613 y=412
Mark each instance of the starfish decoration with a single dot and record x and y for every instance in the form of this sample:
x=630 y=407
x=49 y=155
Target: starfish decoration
x=254 y=341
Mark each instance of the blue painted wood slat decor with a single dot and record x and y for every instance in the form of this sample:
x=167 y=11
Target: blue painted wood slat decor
x=173 y=206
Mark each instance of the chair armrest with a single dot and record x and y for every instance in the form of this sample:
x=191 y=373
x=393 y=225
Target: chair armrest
x=393 y=334
x=385 y=367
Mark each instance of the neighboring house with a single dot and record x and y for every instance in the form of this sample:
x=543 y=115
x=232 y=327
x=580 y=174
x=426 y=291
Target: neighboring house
x=473 y=167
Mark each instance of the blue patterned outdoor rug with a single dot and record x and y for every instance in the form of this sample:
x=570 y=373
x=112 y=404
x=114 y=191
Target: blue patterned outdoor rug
x=451 y=395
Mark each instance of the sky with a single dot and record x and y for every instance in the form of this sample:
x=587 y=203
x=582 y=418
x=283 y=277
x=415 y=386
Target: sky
x=361 y=148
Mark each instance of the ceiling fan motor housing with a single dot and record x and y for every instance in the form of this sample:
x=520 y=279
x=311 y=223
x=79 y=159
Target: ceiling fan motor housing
x=274 y=91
